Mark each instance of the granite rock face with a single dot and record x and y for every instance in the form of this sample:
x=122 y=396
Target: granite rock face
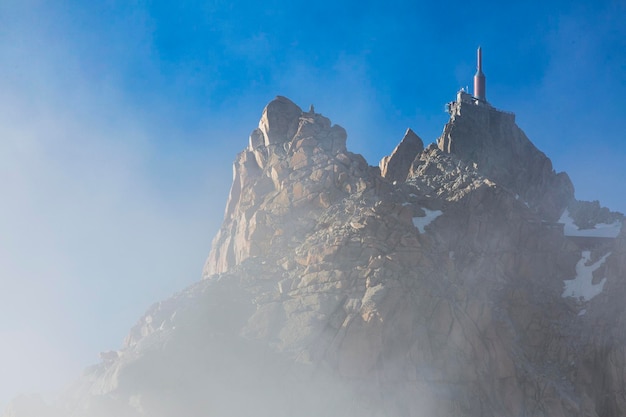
x=433 y=286
x=395 y=167
x=296 y=165
x=490 y=139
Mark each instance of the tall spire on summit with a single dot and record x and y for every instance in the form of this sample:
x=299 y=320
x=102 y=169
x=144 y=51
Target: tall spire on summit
x=479 y=78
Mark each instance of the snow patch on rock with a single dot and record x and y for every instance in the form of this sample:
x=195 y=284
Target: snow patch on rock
x=599 y=230
x=582 y=287
x=422 y=222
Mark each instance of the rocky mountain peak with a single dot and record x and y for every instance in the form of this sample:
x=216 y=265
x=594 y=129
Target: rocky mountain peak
x=296 y=164
x=395 y=167
x=440 y=275
x=434 y=285
x=489 y=138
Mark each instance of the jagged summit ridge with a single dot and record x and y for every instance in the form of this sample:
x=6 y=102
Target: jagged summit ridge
x=298 y=159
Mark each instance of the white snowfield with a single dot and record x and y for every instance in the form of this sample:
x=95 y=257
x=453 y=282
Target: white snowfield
x=582 y=287
x=422 y=222
x=599 y=230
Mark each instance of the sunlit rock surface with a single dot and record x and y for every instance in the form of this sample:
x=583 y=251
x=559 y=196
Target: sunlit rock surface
x=395 y=167
x=499 y=149
x=438 y=288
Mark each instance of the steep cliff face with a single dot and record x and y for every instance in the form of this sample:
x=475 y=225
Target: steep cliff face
x=439 y=284
x=490 y=139
x=296 y=165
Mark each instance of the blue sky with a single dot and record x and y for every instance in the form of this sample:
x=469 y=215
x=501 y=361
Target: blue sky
x=119 y=121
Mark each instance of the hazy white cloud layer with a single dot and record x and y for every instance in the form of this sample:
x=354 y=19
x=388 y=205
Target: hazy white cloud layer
x=88 y=238
x=96 y=222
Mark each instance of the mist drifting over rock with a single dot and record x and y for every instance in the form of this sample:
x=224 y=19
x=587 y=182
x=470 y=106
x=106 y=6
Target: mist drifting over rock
x=462 y=278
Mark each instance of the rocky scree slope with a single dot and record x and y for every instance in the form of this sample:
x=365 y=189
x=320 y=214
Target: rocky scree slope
x=430 y=285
